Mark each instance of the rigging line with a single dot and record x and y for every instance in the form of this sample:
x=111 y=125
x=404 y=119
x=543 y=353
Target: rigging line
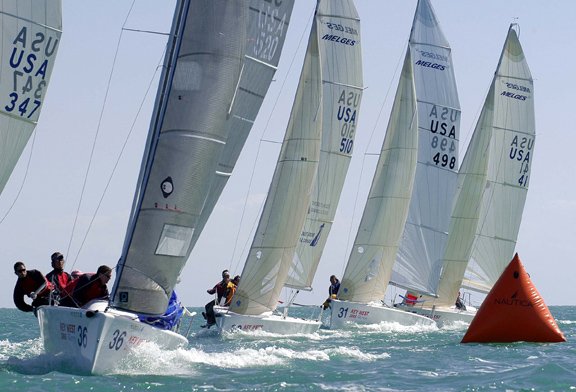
x=262 y=140
x=118 y=159
x=23 y=179
x=367 y=154
x=96 y=136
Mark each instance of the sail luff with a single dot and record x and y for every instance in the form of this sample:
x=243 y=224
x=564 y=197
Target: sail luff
x=188 y=138
x=419 y=260
x=374 y=251
x=341 y=99
x=25 y=81
x=270 y=255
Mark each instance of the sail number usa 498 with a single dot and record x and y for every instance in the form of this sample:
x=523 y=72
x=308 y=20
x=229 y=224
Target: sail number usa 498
x=443 y=126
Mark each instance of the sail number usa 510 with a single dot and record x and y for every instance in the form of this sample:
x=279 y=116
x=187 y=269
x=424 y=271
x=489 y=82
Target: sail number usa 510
x=346 y=116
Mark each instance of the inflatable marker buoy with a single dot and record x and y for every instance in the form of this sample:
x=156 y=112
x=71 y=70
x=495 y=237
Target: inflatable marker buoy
x=513 y=311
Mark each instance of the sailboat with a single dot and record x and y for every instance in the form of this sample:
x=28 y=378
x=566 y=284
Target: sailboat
x=206 y=55
x=30 y=36
x=420 y=141
x=342 y=87
x=492 y=189
x=314 y=121
x=419 y=259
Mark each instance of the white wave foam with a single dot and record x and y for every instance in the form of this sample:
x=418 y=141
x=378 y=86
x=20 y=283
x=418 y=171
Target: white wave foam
x=263 y=334
x=356 y=353
x=149 y=359
x=25 y=349
x=388 y=327
x=457 y=325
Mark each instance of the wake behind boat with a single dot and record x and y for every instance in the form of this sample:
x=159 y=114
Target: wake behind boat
x=208 y=47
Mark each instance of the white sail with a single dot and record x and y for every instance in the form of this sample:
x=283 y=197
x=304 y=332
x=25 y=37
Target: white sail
x=30 y=36
x=423 y=243
x=493 y=180
x=267 y=27
x=341 y=96
x=511 y=151
x=370 y=263
x=187 y=135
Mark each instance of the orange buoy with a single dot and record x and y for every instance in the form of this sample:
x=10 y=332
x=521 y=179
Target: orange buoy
x=513 y=311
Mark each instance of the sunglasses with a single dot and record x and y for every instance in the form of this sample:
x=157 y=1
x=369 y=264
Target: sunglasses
x=19 y=271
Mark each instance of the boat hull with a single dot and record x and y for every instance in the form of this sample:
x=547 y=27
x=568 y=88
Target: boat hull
x=94 y=341
x=344 y=313
x=443 y=316
x=271 y=323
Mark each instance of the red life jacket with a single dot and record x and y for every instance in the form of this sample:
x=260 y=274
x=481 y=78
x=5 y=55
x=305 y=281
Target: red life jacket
x=69 y=287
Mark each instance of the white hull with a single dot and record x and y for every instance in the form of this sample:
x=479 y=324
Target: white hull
x=346 y=312
x=94 y=341
x=443 y=316
x=271 y=323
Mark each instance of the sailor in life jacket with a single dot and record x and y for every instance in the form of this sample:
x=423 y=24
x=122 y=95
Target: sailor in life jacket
x=89 y=288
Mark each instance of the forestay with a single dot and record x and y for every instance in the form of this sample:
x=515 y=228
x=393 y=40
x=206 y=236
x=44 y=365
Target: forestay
x=419 y=259
x=187 y=134
x=267 y=26
x=372 y=257
x=30 y=34
x=340 y=48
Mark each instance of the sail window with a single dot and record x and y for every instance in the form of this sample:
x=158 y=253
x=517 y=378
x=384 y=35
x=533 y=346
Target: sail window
x=188 y=76
x=175 y=240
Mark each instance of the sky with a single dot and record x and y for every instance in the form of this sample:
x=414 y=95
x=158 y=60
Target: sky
x=101 y=95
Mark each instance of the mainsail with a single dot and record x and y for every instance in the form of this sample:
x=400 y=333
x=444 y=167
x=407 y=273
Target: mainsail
x=267 y=26
x=30 y=35
x=341 y=96
x=493 y=180
x=372 y=257
x=423 y=243
x=188 y=132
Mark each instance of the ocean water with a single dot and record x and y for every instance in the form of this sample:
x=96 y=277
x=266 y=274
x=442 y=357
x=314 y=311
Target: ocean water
x=365 y=358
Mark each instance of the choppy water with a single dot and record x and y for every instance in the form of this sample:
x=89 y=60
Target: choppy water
x=368 y=358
